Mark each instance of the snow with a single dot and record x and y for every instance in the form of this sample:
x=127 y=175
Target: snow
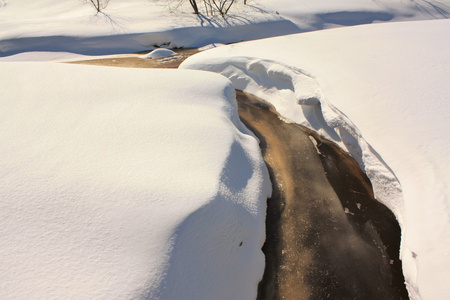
x=127 y=184
x=210 y=46
x=126 y=26
x=140 y=25
x=381 y=92
x=321 y=14
x=44 y=56
x=96 y=205
x=159 y=53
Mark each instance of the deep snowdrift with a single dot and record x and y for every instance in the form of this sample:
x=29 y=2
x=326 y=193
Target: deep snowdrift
x=127 y=184
x=386 y=85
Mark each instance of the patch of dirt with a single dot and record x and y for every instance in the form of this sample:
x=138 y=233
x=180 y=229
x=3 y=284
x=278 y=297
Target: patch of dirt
x=135 y=60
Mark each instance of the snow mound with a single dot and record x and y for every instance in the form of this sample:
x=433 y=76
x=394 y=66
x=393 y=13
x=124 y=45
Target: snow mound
x=159 y=53
x=127 y=184
x=383 y=84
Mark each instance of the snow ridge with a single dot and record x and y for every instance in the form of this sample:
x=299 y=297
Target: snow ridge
x=103 y=44
x=130 y=188
x=297 y=97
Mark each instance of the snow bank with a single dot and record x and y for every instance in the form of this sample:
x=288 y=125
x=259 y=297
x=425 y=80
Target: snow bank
x=390 y=80
x=297 y=97
x=189 y=37
x=319 y=14
x=210 y=46
x=126 y=26
x=127 y=184
x=139 y=25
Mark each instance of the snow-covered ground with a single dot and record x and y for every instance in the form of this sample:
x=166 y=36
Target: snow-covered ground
x=127 y=26
x=121 y=184
x=319 y=14
x=110 y=179
x=139 y=25
x=382 y=93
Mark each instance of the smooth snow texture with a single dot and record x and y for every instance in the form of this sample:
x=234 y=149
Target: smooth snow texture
x=391 y=81
x=126 y=26
x=319 y=14
x=45 y=56
x=210 y=46
x=127 y=184
x=140 y=25
x=159 y=53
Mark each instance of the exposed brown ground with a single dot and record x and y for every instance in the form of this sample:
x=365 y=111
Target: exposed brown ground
x=327 y=237
x=135 y=60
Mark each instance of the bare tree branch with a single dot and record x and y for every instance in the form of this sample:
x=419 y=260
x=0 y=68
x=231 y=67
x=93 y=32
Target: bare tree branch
x=99 y=5
x=212 y=6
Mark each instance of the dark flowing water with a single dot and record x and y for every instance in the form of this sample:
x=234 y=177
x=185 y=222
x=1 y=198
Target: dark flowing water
x=327 y=237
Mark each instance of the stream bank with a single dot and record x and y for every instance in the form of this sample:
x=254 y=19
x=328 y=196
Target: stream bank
x=327 y=236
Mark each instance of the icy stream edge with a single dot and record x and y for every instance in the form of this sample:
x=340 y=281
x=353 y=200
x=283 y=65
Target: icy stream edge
x=297 y=96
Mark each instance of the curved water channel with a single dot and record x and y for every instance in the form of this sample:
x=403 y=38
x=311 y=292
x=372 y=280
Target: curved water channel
x=327 y=237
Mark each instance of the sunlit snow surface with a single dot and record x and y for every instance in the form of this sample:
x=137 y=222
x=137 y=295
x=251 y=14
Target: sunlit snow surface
x=126 y=26
x=138 y=25
x=94 y=204
x=383 y=86
x=321 y=14
x=127 y=184
x=159 y=53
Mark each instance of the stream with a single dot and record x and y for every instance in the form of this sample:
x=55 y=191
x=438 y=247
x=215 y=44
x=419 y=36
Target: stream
x=327 y=236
